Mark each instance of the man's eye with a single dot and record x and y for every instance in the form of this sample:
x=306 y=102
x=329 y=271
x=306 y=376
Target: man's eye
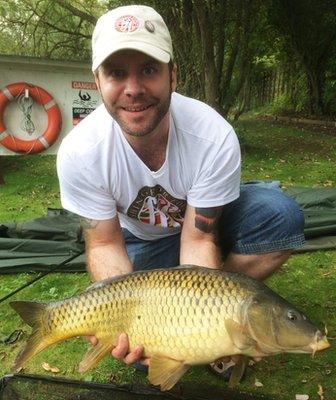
x=149 y=71
x=117 y=73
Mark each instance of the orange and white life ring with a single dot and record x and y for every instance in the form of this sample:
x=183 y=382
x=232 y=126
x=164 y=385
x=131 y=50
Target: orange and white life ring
x=40 y=96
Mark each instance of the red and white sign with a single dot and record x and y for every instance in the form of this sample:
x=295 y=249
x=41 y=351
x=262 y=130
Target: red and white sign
x=84 y=85
x=85 y=100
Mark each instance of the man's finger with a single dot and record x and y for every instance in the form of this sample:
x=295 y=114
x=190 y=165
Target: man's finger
x=121 y=348
x=134 y=356
x=145 y=361
x=92 y=339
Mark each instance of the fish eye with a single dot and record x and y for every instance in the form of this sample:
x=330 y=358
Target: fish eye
x=292 y=315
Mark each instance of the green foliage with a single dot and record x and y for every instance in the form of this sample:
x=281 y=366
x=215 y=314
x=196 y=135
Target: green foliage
x=270 y=152
x=308 y=31
x=223 y=49
x=330 y=87
x=280 y=106
x=47 y=29
x=266 y=61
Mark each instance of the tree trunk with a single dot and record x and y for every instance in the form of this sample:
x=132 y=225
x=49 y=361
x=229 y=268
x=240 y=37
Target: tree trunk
x=241 y=64
x=2 y=180
x=315 y=81
x=210 y=82
x=245 y=103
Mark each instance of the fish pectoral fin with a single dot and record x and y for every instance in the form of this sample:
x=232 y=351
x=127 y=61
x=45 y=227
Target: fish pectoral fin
x=238 y=335
x=96 y=353
x=238 y=372
x=165 y=371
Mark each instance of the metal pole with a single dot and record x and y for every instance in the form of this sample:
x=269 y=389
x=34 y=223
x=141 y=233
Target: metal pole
x=41 y=276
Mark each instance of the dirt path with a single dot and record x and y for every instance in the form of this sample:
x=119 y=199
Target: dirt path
x=326 y=127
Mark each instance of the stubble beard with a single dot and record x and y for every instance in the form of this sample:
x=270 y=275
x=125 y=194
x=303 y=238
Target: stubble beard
x=161 y=109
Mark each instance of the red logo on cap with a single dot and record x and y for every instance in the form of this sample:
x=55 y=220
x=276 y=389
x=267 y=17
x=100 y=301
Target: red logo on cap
x=127 y=24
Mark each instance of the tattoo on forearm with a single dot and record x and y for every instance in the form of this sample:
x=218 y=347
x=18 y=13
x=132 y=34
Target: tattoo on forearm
x=87 y=223
x=206 y=218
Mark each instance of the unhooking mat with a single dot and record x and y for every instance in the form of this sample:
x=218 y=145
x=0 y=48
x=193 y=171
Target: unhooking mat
x=43 y=243
x=32 y=387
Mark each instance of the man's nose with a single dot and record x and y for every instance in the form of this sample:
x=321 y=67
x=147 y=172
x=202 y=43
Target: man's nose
x=134 y=86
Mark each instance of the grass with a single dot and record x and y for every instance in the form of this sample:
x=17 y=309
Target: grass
x=31 y=187
x=270 y=152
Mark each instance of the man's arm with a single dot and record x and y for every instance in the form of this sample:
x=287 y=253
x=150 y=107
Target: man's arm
x=105 y=249
x=199 y=237
x=107 y=257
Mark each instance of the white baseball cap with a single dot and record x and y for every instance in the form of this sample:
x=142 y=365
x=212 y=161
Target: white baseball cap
x=131 y=27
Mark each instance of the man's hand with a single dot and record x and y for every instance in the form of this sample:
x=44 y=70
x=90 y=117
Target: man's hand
x=121 y=351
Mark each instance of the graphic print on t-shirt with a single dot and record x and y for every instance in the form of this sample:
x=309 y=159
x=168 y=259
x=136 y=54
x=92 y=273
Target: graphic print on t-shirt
x=155 y=206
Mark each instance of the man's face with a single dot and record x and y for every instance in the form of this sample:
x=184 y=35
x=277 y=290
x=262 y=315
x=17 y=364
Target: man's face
x=136 y=90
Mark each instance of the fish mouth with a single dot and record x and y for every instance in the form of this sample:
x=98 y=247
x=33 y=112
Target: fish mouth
x=320 y=343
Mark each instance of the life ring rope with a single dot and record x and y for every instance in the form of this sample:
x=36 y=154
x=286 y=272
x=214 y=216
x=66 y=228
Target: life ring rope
x=40 y=96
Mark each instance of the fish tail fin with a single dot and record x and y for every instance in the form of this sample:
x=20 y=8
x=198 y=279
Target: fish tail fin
x=32 y=313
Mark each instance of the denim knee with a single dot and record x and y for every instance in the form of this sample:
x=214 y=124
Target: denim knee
x=263 y=220
x=147 y=254
x=289 y=211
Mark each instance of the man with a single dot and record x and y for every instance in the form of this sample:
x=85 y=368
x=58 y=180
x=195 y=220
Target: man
x=155 y=175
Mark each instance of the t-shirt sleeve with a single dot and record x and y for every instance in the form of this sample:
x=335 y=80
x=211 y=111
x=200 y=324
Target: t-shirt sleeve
x=218 y=181
x=80 y=192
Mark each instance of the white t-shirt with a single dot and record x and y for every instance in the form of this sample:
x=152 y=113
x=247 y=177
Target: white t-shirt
x=101 y=176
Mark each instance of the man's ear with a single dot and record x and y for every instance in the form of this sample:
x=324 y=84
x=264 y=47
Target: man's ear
x=96 y=78
x=174 y=78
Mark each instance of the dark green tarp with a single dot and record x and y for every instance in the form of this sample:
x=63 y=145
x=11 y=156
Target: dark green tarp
x=319 y=209
x=42 y=243
x=32 y=387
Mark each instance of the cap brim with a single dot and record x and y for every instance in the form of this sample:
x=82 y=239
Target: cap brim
x=154 y=52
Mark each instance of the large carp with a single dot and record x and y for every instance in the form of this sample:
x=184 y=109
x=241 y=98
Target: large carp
x=182 y=316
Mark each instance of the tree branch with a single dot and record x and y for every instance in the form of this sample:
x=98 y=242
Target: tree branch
x=75 y=11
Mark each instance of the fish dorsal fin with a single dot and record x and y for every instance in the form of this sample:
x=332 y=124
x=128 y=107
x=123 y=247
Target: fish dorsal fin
x=96 y=353
x=238 y=335
x=165 y=371
x=97 y=285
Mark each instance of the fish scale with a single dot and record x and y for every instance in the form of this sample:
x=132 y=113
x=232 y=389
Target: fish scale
x=117 y=304
x=182 y=316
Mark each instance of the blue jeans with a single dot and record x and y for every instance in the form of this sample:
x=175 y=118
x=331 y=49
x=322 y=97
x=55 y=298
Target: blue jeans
x=262 y=220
